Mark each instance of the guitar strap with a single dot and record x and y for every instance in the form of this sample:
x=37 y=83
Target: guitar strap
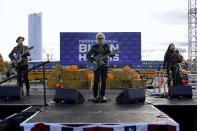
x=18 y=51
x=23 y=49
x=101 y=50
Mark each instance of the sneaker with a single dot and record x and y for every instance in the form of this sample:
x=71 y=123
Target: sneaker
x=103 y=98
x=94 y=98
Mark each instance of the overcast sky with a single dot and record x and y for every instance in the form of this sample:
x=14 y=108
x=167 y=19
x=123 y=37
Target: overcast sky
x=159 y=21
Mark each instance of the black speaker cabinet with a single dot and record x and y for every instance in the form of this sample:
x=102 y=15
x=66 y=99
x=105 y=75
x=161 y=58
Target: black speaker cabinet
x=68 y=96
x=130 y=96
x=10 y=91
x=181 y=91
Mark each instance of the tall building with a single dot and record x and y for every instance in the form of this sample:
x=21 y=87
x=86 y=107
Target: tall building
x=35 y=35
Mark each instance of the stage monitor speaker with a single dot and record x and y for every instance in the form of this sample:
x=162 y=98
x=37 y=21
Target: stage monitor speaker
x=131 y=96
x=10 y=92
x=181 y=91
x=68 y=96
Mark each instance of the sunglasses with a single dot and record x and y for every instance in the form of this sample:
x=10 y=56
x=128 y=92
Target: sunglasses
x=100 y=38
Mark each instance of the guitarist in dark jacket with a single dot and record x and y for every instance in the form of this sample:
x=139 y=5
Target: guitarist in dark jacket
x=103 y=49
x=22 y=67
x=171 y=60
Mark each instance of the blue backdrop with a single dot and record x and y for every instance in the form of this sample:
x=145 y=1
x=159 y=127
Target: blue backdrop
x=74 y=47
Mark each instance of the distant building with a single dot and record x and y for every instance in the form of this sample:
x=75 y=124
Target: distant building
x=35 y=35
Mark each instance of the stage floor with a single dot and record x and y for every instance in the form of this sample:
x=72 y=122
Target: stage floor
x=37 y=98
x=100 y=113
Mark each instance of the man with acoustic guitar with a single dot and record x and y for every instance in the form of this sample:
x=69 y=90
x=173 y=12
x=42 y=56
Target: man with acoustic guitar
x=103 y=50
x=19 y=60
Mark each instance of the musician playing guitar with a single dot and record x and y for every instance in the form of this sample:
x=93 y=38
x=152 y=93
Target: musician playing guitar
x=100 y=49
x=22 y=66
x=171 y=61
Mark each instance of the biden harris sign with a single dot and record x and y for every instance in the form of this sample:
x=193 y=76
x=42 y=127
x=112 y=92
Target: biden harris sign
x=74 y=47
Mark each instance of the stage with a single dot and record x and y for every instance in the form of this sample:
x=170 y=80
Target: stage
x=98 y=114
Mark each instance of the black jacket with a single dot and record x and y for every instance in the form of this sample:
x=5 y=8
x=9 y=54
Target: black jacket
x=170 y=59
x=20 y=49
x=97 y=49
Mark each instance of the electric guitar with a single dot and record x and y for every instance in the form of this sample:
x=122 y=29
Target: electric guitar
x=19 y=57
x=99 y=59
